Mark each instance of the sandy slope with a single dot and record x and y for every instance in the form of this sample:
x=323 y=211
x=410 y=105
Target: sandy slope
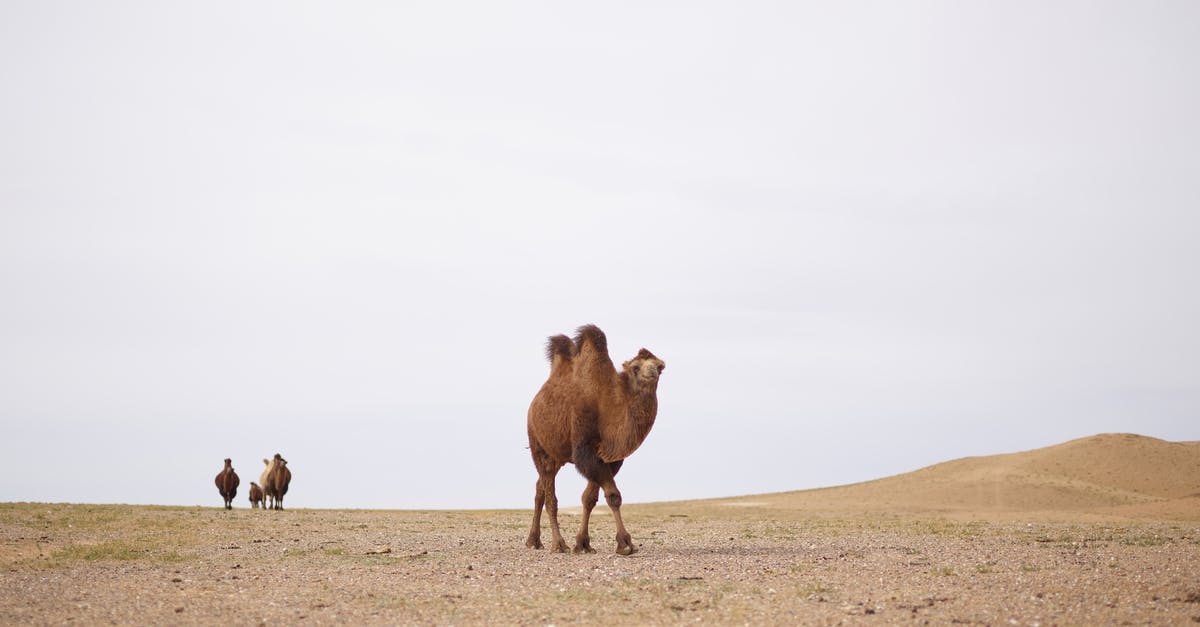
x=1102 y=475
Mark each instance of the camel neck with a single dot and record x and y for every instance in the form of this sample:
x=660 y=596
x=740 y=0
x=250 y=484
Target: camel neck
x=642 y=409
x=631 y=426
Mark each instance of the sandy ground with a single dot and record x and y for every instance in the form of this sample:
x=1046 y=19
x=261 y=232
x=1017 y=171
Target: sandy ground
x=696 y=563
x=1101 y=530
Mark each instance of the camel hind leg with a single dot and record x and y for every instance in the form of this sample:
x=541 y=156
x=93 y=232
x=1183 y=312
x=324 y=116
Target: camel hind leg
x=534 y=541
x=544 y=495
x=557 y=544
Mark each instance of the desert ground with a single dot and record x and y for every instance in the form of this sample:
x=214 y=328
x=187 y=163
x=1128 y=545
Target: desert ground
x=1102 y=530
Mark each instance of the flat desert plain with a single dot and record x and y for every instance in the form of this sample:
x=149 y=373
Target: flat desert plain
x=1102 y=530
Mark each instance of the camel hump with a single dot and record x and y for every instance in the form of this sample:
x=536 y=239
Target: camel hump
x=559 y=346
x=590 y=333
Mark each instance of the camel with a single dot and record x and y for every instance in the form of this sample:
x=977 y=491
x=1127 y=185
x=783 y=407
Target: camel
x=590 y=415
x=276 y=479
x=227 y=483
x=256 y=496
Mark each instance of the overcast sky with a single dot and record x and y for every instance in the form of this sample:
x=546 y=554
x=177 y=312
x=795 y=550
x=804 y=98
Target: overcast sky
x=865 y=237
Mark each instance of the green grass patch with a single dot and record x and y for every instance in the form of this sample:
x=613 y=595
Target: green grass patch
x=112 y=550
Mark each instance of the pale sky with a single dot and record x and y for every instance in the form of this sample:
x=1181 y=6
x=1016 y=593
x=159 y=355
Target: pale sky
x=864 y=236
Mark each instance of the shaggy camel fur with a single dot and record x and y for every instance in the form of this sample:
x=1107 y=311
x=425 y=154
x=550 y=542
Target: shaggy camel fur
x=227 y=483
x=590 y=415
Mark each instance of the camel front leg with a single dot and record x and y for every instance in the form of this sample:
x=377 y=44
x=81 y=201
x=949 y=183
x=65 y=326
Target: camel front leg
x=591 y=495
x=613 y=497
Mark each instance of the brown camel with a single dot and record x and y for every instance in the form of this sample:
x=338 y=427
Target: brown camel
x=590 y=415
x=227 y=483
x=256 y=496
x=277 y=480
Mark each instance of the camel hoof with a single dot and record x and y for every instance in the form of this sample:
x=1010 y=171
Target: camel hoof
x=625 y=544
x=560 y=546
x=582 y=546
x=533 y=543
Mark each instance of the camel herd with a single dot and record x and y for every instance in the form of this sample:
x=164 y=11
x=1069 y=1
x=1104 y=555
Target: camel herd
x=275 y=479
x=586 y=413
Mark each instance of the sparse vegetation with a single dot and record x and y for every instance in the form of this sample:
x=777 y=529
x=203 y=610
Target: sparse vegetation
x=112 y=550
x=766 y=560
x=1145 y=540
x=815 y=587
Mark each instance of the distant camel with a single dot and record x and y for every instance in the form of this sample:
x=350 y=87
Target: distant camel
x=227 y=483
x=256 y=496
x=276 y=479
x=592 y=416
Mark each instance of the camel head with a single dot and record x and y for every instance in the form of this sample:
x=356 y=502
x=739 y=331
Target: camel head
x=644 y=369
x=279 y=460
x=228 y=462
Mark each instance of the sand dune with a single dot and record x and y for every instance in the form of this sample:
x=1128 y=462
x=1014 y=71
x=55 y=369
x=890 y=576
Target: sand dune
x=1123 y=475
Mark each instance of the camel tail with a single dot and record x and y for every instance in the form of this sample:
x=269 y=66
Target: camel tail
x=591 y=333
